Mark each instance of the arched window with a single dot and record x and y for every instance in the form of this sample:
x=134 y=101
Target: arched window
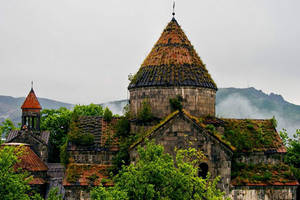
x=203 y=170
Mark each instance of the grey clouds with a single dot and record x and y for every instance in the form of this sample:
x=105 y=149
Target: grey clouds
x=82 y=51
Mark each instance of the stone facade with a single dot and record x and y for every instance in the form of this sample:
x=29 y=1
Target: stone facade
x=181 y=132
x=77 y=193
x=196 y=100
x=264 y=193
x=259 y=157
x=37 y=142
x=95 y=157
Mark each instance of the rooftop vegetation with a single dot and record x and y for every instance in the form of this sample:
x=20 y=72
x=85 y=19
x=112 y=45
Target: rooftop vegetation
x=243 y=174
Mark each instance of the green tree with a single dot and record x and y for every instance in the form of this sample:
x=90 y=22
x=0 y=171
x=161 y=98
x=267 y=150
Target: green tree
x=57 y=121
x=107 y=115
x=6 y=126
x=155 y=176
x=54 y=194
x=145 y=113
x=88 y=110
x=13 y=185
x=292 y=156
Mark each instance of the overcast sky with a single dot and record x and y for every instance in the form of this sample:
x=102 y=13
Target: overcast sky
x=81 y=51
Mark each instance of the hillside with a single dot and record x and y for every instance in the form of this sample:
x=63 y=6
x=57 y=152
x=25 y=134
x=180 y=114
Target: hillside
x=10 y=107
x=231 y=103
x=252 y=103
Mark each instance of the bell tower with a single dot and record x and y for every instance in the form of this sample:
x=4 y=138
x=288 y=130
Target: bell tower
x=31 y=112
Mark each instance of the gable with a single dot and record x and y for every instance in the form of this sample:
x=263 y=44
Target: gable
x=180 y=131
x=28 y=137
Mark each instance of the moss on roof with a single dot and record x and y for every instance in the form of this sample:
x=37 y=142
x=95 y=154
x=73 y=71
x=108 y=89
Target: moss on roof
x=86 y=174
x=249 y=135
x=173 y=61
x=261 y=174
x=154 y=128
x=240 y=135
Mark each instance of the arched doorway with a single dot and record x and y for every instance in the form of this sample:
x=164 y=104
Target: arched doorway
x=203 y=170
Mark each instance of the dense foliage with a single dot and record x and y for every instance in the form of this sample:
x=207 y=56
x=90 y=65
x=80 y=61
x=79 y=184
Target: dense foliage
x=5 y=127
x=176 y=103
x=155 y=176
x=126 y=138
x=145 y=113
x=107 y=115
x=58 y=122
x=77 y=137
x=13 y=185
x=292 y=157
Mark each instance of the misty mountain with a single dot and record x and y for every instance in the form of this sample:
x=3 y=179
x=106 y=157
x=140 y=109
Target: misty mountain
x=10 y=107
x=230 y=103
x=255 y=104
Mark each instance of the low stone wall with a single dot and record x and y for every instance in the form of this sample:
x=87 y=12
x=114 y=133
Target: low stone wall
x=260 y=157
x=197 y=101
x=264 y=193
x=77 y=193
x=95 y=157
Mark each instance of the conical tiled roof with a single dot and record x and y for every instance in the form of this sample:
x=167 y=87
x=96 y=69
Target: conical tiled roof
x=31 y=101
x=173 y=61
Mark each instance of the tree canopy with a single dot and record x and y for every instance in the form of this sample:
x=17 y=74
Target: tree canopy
x=13 y=185
x=156 y=176
x=5 y=127
x=57 y=121
x=292 y=157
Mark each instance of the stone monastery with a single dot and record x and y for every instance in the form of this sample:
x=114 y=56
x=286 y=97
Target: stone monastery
x=246 y=153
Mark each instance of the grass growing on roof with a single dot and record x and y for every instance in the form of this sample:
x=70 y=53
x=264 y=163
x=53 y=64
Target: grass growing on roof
x=251 y=135
x=243 y=174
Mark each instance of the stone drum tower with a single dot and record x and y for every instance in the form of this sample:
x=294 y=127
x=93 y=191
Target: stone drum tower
x=172 y=69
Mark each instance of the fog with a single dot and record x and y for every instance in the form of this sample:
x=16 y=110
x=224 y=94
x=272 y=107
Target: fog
x=237 y=106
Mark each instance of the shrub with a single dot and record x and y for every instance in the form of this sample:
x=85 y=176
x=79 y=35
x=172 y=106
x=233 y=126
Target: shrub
x=86 y=139
x=145 y=113
x=122 y=127
x=211 y=127
x=107 y=115
x=274 y=122
x=250 y=126
x=64 y=155
x=92 y=178
x=176 y=103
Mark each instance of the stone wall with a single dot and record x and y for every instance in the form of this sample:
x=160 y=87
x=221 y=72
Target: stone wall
x=94 y=157
x=77 y=193
x=197 y=101
x=180 y=132
x=259 y=157
x=37 y=146
x=264 y=193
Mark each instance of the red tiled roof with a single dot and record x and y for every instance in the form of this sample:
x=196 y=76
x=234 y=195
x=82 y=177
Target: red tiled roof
x=31 y=101
x=28 y=159
x=290 y=183
x=86 y=174
x=37 y=181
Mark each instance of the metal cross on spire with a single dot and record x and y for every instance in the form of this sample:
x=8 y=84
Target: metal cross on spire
x=173 y=13
x=31 y=84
